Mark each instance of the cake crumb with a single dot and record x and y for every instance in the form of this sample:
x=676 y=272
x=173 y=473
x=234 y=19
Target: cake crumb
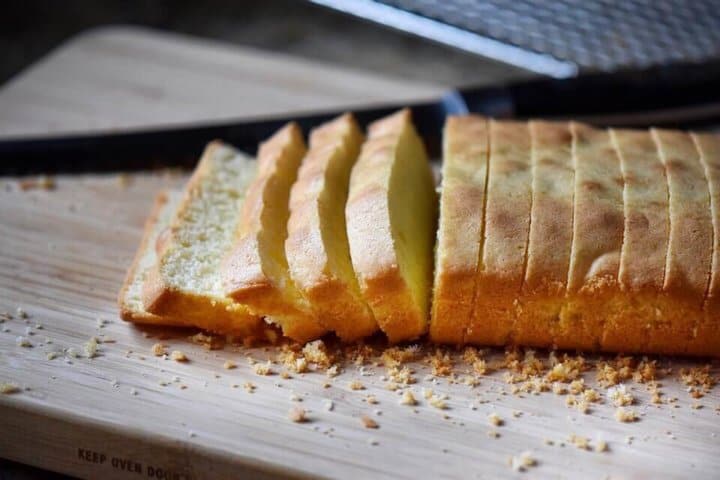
x=601 y=446
x=208 y=341
x=91 y=347
x=368 y=422
x=249 y=387
x=7 y=388
x=263 y=369
x=495 y=419
x=493 y=434
x=329 y=405
x=583 y=443
x=395 y=356
x=21 y=313
x=371 y=399
x=522 y=462
x=51 y=355
x=42 y=182
x=332 y=371
x=441 y=363
x=316 y=352
x=408 y=398
x=623 y=414
x=438 y=401
x=178 y=356
x=158 y=349
x=356 y=385
x=229 y=365
x=23 y=342
x=297 y=415
x=620 y=396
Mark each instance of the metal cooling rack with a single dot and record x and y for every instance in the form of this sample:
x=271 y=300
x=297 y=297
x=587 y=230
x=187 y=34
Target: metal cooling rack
x=560 y=37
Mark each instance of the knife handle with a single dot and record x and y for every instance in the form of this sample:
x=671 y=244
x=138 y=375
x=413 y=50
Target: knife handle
x=670 y=95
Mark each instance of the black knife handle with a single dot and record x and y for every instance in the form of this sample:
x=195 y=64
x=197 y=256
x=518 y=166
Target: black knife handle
x=621 y=96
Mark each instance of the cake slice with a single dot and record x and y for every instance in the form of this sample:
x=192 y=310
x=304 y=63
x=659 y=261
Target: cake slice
x=706 y=338
x=689 y=257
x=598 y=223
x=256 y=273
x=459 y=236
x=507 y=225
x=130 y=299
x=391 y=217
x=185 y=282
x=317 y=245
x=644 y=248
x=551 y=229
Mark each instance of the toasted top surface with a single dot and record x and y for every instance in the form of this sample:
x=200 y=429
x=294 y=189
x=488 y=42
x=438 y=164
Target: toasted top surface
x=258 y=257
x=709 y=147
x=645 y=199
x=367 y=212
x=551 y=220
x=202 y=230
x=464 y=172
x=317 y=240
x=507 y=215
x=598 y=215
x=459 y=235
x=689 y=255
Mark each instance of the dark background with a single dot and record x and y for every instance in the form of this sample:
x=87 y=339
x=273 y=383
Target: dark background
x=31 y=28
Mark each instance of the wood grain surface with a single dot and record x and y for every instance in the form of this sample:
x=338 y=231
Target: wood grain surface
x=63 y=255
x=129 y=77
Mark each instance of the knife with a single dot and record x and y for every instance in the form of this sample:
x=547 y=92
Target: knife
x=676 y=96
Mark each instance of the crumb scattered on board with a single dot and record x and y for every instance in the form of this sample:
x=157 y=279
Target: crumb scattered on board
x=621 y=385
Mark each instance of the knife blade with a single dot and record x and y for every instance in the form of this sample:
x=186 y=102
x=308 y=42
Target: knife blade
x=679 y=95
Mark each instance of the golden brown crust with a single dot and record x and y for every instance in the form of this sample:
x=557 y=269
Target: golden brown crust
x=255 y=273
x=550 y=240
x=215 y=314
x=598 y=223
x=507 y=225
x=317 y=245
x=689 y=258
x=376 y=226
x=706 y=335
x=644 y=250
x=708 y=145
x=645 y=198
x=464 y=173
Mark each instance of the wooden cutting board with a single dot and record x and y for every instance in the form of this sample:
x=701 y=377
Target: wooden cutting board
x=129 y=414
